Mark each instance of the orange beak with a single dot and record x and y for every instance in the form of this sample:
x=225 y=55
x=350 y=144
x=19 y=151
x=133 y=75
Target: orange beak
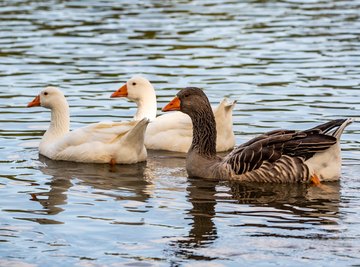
x=173 y=105
x=122 y=92
x=35 y=102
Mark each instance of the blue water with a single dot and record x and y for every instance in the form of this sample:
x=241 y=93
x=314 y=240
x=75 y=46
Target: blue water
x=289 y=64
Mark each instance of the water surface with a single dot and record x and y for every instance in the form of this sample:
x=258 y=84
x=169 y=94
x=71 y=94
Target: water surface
x=289 y=64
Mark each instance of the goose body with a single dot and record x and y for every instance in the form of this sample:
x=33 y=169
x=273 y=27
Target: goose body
x=173 y=131
x=280 y=156
x=103 y=142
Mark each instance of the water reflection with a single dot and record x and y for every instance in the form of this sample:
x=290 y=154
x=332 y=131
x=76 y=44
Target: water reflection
x=130 y=182
x=202 y=233
x=289 y=64
x=267 y=209
x=294 y=204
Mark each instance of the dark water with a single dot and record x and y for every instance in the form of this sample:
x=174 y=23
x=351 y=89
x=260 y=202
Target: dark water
x=289 y=64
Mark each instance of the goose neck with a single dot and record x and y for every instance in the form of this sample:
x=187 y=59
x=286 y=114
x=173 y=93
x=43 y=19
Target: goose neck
x=204 y=133
x=146 y=108
x=60 y=121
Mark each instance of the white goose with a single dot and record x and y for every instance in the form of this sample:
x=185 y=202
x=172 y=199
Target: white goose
x=103 y=142
x=173 y=131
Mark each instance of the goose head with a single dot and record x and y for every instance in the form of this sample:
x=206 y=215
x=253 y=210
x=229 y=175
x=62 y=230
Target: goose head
x=50 y=98
x=136 y=89
x=189 y=100
x=139 y=90
x=193 y=102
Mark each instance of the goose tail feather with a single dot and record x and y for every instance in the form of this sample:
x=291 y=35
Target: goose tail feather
x=333 y=128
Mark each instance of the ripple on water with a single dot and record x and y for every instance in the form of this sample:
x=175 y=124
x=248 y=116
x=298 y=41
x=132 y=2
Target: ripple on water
x=289 y=64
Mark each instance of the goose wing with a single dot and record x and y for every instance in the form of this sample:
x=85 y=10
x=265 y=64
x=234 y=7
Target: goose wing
x=273 y=145
x=171 y=131
x=103 y=132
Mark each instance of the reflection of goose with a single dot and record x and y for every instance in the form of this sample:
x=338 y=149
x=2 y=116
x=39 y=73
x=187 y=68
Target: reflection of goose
x=104 y=142
x=280 y=156
x=319 y=202
x=129 y=182
x=258 y=207
x=202 y=196
x=173 y=132
x=56 y=197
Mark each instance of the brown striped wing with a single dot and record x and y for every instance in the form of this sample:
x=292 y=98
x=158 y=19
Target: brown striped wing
x=271 y=146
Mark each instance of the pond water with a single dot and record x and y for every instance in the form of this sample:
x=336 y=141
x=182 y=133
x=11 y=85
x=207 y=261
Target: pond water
x=289 y=64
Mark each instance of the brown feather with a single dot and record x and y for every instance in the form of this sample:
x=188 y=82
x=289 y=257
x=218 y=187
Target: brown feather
x=273 y=145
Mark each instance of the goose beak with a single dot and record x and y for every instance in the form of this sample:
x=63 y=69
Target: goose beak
x=173 y=105
x=35 y=102
x=122 y=92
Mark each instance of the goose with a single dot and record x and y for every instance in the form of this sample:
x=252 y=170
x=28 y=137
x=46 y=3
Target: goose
x=103 y=142
x=279 y=156
x=173 y=131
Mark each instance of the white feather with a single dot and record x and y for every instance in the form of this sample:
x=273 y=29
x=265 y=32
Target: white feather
x=173 y=131
x=98 y=143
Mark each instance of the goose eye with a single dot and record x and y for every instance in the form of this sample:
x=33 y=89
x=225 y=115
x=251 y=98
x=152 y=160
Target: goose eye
x=46 y=93
x=134 y=84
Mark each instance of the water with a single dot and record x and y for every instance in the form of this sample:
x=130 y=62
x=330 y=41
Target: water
x=289 y=64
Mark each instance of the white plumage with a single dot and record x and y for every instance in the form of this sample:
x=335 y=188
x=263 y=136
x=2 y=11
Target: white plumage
x=103 y=142
x=173 y=131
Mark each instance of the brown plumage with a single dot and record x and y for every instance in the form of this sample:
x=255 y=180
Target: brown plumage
x=280 y=156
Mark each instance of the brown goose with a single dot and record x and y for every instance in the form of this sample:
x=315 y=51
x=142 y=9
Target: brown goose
x=280 y=156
